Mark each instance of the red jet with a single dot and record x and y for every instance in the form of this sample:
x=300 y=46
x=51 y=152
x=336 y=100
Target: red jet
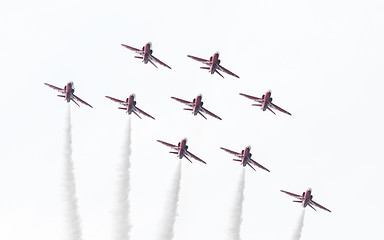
x=130 y=106
x=306 y=199
x=182 y=150
x=196 y=106
x=68 y=93
x=214 y=64
x=146 y=54
x=265 y=102
x=245 y=156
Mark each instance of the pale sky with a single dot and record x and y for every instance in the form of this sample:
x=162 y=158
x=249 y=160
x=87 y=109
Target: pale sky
x=323 y=62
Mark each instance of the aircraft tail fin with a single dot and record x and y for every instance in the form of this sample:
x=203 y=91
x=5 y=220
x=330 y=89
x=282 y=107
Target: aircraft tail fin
x=312 y=207
x=152 y=62
x=271 y=111
x=219 y=73
x=187 y=158
x=136 y=114
x=202 y=115
x=75 y=102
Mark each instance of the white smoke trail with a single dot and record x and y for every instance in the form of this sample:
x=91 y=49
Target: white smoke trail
x=170 y=214
x=299 y=227
x=73 y=229
x=237 y=211
x=121 y=224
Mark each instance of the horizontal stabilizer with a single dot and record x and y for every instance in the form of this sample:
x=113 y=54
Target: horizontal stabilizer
x=205 y=68
x=297 y=201
x=257 y=105
x=237 y=160
x=139 y=57
x=61 y=96
x=174 y=152
x=188 y=109
x=122 y=108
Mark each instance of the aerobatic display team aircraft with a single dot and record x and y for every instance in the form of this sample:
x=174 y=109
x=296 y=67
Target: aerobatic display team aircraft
x=68 y=93
x=196 y=106
x=245 y=158
x=130 y=106
x=214 y=65
x=306 y=199
x=146 y=54
x=265 y=102
x=181 y=150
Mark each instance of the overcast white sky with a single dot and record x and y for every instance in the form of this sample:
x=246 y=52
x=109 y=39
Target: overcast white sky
x=323 y=62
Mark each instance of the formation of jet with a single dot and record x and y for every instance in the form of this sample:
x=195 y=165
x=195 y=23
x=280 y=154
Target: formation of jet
x=68 y=93
x=265 y=102
x=130 y=106
x=146 y=54
x=306 y=199
x=214 y=65
x=181 y=150
x=245 y=158
x=196 y=106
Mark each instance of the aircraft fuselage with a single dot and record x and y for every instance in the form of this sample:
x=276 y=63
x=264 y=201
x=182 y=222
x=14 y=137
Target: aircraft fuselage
x=214 y=63
x=69 y=90
x=147 y=52
x=246 y=156
x=182 y=148
x=198 y=104
x=266 y=101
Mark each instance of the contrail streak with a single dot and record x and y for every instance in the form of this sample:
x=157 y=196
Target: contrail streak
x=299 y=227
x=169 y=218
x=121 y=221
x=73 y=229
x=237 y=211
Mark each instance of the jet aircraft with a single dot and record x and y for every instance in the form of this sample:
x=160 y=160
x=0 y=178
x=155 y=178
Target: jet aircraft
x=214 y=65
x=68 y=93
x=130 y=106
x=245 y=158
x=181 y=150
x=306 y=199
x=196 y=106
x=146 y=54
x=265 y=102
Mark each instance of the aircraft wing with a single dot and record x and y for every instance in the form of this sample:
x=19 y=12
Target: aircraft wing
x=144 y=113
x=160 y=62
x=80 y=100
x=169 y=145
x=133 y=49
x=259 y=100
x=190 y=104
x=232 y=152
x=117 y=100
x=278 y=108
x=319 y=206
x=56 y=88
x=256 y=164
x=200 y=60
x=227 y=71
x=210 y=113
x=191 y=155
x=292 y=194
